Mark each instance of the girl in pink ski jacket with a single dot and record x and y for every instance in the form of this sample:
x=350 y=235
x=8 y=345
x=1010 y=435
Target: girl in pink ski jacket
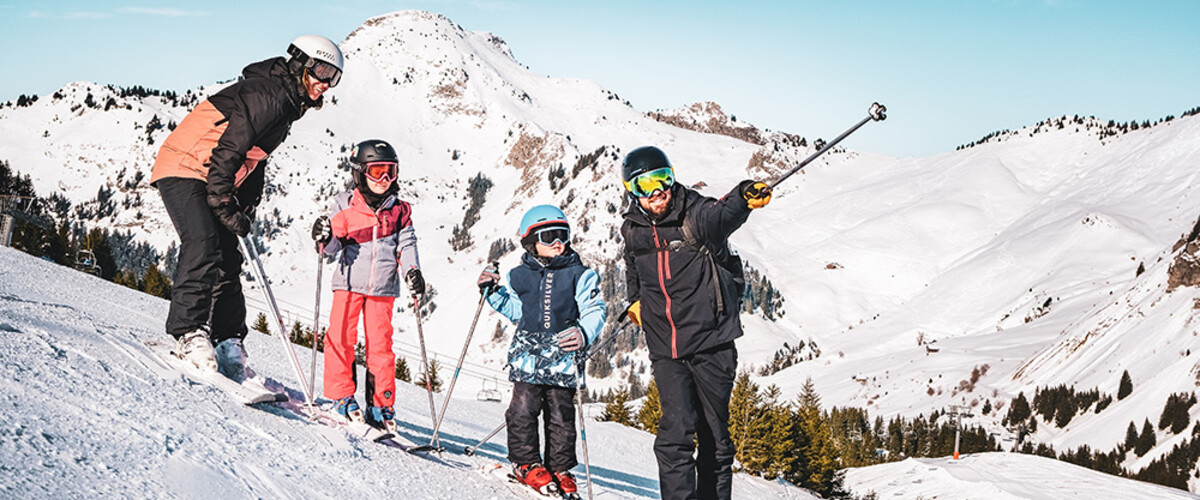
x=372 y=237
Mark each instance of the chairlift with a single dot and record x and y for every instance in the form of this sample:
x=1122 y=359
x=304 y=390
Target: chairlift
x=85 y=261
x=490 y=391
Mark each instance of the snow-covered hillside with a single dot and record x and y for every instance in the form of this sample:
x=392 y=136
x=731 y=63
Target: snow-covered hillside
x=998 y=475
x=86 y=411
x=1016 y=257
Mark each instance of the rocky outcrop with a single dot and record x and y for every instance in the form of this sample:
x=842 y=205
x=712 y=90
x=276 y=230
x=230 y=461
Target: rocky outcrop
x=1185 y=268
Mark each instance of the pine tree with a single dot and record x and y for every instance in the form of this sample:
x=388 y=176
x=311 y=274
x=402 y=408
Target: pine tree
x=780 y=439
x=816 y=449
x=402 y=373
x=1131 y=437
x=1018 y=411
x=1126 y=387
x=748 y=425
x=1147 y=440
x=651 y=410
x=260 y=324
x=156 y=283
x=618 y=409
x=299 y=335
x=434 y=380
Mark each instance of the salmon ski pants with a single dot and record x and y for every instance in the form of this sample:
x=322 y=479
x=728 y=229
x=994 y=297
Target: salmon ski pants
x=343 y=334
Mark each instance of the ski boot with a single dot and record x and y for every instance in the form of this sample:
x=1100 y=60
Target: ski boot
x=348 y=408
x=383 y=418
x=231 y=360
x=197 y=349
x=537 y=477
x=566 y=485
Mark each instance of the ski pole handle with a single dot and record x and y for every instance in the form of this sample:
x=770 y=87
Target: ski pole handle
x=877 y=112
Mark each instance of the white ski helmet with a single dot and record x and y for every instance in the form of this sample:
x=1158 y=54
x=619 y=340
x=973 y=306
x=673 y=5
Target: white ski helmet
x=320 y=56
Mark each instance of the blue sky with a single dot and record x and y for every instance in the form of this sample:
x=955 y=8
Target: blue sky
x=950 y=72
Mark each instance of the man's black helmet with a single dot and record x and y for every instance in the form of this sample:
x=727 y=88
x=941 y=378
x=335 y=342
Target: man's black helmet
x=372 y=151
x=642 y=160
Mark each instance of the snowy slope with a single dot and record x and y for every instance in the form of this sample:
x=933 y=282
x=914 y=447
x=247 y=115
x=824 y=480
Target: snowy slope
x=998 y=476
x=87 y=412
x=963 y=249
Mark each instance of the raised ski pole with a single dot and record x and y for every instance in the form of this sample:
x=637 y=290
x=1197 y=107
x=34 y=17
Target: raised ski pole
x=312 y=373
x=425 y=363
x=457 y=368
x=470 y=450
x=261 y=276
x=878 y=112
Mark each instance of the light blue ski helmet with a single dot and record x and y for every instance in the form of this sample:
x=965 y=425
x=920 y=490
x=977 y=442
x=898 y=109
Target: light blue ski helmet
x=539 y=217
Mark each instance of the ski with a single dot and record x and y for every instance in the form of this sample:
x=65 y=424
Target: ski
x=357 y=428
x=503 y=473
x=249 y=392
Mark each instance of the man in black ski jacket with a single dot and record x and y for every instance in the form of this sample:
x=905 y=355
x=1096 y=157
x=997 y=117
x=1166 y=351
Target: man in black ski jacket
x=210 y=172
x=684 y=289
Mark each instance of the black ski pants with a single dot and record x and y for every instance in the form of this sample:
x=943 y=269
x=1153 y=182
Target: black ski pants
x=556 y=404
x=694 y=393
x=207 y=292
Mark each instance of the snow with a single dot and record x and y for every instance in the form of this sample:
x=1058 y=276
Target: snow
x=86 y=410
x=999 y=476
x=961 y=248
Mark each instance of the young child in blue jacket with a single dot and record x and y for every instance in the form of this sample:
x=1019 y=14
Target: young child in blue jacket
x=555 y=302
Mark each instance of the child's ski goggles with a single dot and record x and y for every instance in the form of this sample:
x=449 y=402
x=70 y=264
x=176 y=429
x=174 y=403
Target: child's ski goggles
x=552 y=235
x=646 y=184
x=380 y=171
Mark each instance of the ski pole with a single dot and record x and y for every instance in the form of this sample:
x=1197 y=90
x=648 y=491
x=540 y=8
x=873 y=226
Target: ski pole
x=470 y=450
x=457 y=368
x=261 y=275
x=587 y=464
x=312 y=373
x=878 y=112
x=425 y=363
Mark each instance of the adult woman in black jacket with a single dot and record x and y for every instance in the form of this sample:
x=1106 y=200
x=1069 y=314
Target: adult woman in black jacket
x=210 y=172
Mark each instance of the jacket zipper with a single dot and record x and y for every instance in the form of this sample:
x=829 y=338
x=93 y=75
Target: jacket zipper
x=664 y=257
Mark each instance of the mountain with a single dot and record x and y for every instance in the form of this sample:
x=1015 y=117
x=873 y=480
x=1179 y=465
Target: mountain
x=905 y=285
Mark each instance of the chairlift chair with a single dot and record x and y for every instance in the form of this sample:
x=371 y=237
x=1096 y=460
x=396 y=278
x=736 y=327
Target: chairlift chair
x=85 y=261
x=490 y=391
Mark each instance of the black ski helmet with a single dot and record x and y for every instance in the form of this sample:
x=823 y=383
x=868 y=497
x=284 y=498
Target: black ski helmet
x=642 y=160
x=372 y=151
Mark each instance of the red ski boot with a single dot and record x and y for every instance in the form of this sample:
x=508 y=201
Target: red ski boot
x=566 y=485
x=537 y=477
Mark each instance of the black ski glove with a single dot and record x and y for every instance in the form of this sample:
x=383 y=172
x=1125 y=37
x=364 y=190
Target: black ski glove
x=230 y=215
x=322 y=232
x=416 y=283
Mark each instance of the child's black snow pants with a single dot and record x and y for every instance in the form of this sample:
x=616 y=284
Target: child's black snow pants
x=556 y=404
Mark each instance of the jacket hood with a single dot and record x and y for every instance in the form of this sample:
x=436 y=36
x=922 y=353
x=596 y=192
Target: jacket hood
x=288 y=74
x=567 y=259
